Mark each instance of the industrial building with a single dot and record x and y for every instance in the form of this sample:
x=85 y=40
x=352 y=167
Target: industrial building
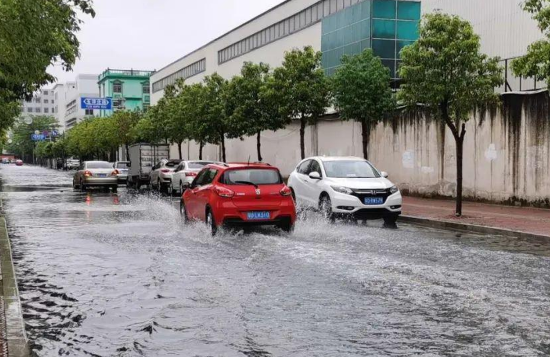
x=338 y=27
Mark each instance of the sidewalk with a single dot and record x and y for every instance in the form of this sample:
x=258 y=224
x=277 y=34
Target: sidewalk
x=526 y=220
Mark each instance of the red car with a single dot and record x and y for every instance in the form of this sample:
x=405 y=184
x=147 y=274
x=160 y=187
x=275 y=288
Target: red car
x=19 y=162
x=239 y=195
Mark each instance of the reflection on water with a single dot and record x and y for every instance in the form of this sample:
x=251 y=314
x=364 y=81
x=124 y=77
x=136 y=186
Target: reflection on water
x=118 y=274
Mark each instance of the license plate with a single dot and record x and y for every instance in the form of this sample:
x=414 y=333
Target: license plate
x=257 y=215
x=374 y=200
x=102 y=175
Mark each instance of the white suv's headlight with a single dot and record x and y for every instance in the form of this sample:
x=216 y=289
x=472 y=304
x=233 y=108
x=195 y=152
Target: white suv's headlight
x=341 y=189
x=394 y=189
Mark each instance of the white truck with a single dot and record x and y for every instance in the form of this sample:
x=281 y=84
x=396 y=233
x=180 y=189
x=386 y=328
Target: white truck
x=142 y=159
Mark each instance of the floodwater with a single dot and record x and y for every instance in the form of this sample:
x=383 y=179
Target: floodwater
x=104 y=274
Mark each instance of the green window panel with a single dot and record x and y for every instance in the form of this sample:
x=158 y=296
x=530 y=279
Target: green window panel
x=407 y=30
x=384 y=9
x=408 y=10
x=365 y=9
x=365 y=44
x=353 y=49
x=383 y=28
x=401 y=45
x=391 y=65
x=384 y=48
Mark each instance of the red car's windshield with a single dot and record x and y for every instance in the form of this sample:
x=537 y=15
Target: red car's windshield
x=252 y=176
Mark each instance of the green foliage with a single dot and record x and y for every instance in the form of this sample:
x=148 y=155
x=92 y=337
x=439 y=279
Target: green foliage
x=536 y=63
x=215 y=111
x=93 y=138
x=362 y=92
x=33 y=35
x=250 y=100
x=446 y=72
x=302 y=88
x=22 y=143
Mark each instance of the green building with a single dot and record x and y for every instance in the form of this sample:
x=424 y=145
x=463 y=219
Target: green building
x=130 y=89
x=386 y=26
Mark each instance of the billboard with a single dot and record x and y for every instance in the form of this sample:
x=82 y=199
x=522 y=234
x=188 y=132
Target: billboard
x=96 y=103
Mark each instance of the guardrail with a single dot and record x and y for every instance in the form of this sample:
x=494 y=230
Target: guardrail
x=513 y=83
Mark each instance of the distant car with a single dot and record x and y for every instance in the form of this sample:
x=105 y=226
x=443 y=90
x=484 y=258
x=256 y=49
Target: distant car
x=19 y=162
x=5 y=161
x=160 y=177
x=122 y=168
x=96 y=174
x=184 y=175
x=72 y=164
x=239 y=195
x=345 y=187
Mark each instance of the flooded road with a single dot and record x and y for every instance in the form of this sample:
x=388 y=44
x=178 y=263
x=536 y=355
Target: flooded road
x=104 y=274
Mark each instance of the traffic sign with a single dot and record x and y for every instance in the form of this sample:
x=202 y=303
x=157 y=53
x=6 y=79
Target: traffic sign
x=96 y=103
x=38 y=137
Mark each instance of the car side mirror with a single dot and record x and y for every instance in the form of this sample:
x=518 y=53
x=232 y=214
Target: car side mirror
x=314 y=175
x=384 y=174
x=128 y=165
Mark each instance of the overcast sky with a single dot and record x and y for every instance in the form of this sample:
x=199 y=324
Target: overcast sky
x=149 y=34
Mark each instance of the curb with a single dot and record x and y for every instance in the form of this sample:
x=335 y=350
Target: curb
x=15 y=336
x=472 y=228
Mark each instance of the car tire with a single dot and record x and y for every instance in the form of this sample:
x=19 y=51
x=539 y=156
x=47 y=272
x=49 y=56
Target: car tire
x=171 y=190
x=114 y=188
x=325 y=206
x=183 y=212
x=391 y=218
x=159 y=186
x=211 y=222
x=75 y=186
x=82 y=186
x=287 y=227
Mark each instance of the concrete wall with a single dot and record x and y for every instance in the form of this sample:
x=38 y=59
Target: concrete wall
x=506 y=158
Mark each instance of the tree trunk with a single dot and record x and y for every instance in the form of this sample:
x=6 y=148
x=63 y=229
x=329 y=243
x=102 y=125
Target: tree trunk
x=224 y=159
x=459 y=168
x=201 y=146
x=365 y=132
x=127 y=152
x=179 y=150
x=302 y=136
x=259 y=146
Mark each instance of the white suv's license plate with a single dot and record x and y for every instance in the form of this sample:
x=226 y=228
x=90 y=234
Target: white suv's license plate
x=255 y=216
x=374 y=200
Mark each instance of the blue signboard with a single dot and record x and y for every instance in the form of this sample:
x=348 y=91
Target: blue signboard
x=96 y=103
x=38 y=137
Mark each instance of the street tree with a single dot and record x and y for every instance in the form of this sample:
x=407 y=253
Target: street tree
x=303 y=89
x=215 y=113
x=22 y=143
x=123 y=123
x=33 y=35
x=195 y=106
x=445 y=71
x=362 y=92
x=536 y=63
x=177 y=114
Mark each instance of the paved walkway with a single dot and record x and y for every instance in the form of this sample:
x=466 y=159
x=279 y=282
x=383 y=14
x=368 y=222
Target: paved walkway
x=522 y=219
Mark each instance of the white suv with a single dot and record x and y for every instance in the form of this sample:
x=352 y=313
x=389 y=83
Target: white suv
x=345 y=187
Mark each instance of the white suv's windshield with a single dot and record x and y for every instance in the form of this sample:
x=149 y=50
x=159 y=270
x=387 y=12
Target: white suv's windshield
x=350 y=169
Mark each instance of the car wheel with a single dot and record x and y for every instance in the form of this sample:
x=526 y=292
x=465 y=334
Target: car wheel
x=183 y=212
x=82 y=186
x=390 y=218
x=211 y=223
x=115 y=188
x=159 y=186
x=287 y=227
x=75 y=186
x=325 y=206
x=171 y=190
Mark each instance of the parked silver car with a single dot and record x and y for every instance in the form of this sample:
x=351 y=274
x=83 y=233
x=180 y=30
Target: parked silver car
x=95 y=174
x=185 y=173
x=122 y=168
x=161 y=174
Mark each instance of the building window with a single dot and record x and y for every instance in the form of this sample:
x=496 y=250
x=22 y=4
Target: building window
x=118 y=104
x=45 y=92
x=146 y=89
x=37 y=100
x=46 y=101
x=29 y=109
x=117 y=87
x=89 y=112
x=38 y=110
x=186 y=72
x=46 y=110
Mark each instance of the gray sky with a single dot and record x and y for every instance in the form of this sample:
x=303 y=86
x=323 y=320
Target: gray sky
x=149 y=34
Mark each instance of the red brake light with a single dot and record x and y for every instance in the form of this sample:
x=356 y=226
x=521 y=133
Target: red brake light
x=114 y=173
x=88 y=173
x=164 y=171
x=224 y=192
x=190 y=174
x=285 y=191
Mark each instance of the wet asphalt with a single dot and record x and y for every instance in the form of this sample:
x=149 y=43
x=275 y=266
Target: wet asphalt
x=103 y=274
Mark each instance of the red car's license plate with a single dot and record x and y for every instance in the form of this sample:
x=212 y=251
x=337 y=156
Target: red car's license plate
x=254 y=216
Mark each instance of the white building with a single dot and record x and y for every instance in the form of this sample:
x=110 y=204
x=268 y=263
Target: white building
x=338 y=27
x=67 y=96
x=42 y=103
